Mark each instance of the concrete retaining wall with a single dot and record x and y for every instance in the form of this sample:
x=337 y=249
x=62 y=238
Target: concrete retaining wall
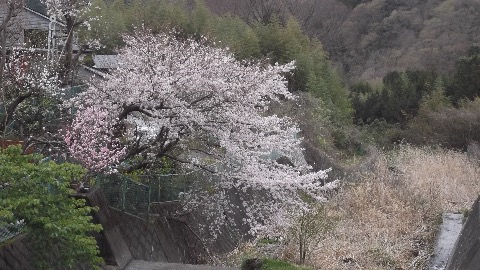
x=466 y=253
x=16 y=254
x=164 y=237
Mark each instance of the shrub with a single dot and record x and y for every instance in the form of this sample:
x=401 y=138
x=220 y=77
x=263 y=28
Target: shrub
x=446 y=126
x=270 y=264
x=37 y=193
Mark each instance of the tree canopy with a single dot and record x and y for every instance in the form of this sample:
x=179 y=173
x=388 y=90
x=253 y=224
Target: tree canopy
x=36 y=192
x=196 y=105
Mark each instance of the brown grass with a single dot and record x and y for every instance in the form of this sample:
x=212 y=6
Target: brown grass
x=389 y=218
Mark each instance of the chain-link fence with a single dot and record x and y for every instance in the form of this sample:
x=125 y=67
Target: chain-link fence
x=172 y=187
x=168 y=188
x=134 y=194
x=9 y=231
x=125 y=194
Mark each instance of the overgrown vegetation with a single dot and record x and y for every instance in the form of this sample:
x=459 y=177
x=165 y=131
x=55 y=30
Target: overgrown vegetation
x=387 y=214
x=388 y=218
x=421 y=107
x=384 y=221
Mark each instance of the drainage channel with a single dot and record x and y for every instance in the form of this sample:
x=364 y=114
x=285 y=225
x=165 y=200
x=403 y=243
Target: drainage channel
x=446 y=239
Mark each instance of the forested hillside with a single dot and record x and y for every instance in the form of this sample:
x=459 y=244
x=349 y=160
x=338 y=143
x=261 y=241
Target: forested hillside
x=251 y=102
x=368 y=39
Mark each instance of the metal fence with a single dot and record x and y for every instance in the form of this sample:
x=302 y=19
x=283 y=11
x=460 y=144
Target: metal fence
x=125 y=194
x=134 y=194
x=9 y=231
x=167 y=188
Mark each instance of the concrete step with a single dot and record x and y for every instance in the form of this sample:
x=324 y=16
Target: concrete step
x=143 y=265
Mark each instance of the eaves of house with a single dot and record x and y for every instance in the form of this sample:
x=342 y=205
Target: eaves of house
x=29 y=24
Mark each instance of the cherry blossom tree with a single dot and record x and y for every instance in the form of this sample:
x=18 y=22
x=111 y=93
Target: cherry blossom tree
x=95 y=149
x=195 y=104
x=25 y=74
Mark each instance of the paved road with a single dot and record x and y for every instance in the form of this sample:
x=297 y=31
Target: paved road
x=143 y=265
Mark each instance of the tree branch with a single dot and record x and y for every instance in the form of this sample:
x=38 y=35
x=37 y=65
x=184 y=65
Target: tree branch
x=191 y=163
x=10 y=110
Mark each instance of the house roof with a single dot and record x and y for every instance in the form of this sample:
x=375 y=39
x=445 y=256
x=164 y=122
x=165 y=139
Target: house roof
x=106 y=61
x=43 y=16
x=94 y=71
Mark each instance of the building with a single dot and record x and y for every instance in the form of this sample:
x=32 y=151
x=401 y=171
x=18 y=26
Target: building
x=28 y=29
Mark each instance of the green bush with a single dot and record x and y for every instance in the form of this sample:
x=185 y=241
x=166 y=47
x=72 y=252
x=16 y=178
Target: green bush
x=38 y=194
x=270 y=264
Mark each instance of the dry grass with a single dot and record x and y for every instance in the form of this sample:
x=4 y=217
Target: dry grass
x=446 y=177
x=389 y=218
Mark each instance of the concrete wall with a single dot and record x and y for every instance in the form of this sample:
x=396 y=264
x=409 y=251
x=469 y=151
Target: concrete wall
x=466 y=253
x=110 y=241
x=164 y=237
x=175 y=238
x=16 y=255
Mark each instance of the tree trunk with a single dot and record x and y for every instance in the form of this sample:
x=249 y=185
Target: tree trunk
x=68 y=65
x=3 y=60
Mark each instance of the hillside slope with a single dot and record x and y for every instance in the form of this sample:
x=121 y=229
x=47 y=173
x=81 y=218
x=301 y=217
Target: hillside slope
x=368 y=39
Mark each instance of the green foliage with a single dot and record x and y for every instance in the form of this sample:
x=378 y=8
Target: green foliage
x=37 y=114
x=108 y=24
x=465 y=83
x=270 y=264
x=436 y=100
x=234 y=33
x=347 y=141
x=380 y=133
x=37 y=192
x=430 y=109
x=200 y=20
x=88 y=61
x=397 y=101
x=282 y=44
